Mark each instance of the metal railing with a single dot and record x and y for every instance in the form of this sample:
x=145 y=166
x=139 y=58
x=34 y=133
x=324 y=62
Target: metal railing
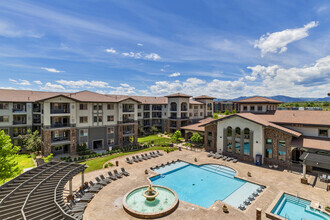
x=128 y=121
x=59 y=111
x=59 y=125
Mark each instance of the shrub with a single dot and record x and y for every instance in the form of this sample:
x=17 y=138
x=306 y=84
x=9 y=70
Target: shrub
x=110 y=164
x=34 y=156
x=165 y=133
x=106 y=166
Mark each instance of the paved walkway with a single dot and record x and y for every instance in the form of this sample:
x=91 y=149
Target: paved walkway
x=107 y=204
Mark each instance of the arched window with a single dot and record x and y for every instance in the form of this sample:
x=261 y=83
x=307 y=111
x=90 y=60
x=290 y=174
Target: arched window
x=229 y=132
x=247 y=141
x=237 y=140
x=246 y=133
x=173 y=106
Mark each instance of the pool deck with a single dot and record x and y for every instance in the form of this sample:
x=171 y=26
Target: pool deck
x=107 y=204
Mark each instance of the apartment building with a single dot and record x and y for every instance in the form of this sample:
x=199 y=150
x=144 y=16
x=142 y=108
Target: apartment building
x=100 y=121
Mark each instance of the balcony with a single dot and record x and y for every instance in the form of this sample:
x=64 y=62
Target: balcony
x=37 y=121
x=59 y=108
x=60 y=125
x=146 y=107
x=18 y=134
x=19 y=122
x=157 y=108
x=184 y=117
x=60 y=139
x=128 y=108
x=157 y=116
x=173 y=117
x=128 y=132
x=146 y=115
x=127 y=121
x=59 y=111
x=184 y=109
x=173 y=109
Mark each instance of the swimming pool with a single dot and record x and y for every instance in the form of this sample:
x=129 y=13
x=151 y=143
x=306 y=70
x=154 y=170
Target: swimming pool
x=295 y=208
x=205 y=184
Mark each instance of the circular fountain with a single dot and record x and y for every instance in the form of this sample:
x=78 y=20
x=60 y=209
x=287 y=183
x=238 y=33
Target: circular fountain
x=150 y=201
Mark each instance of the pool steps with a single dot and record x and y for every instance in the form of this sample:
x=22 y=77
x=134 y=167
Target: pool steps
x=219 y=170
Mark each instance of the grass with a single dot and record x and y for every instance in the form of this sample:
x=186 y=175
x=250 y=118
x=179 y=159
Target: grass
x=155 y=138
x=24 y=161
x=96 y=164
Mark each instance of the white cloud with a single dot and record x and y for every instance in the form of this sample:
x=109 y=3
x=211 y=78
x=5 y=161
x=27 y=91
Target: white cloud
x=52 y=70
x=83 y=83
x=7 y=87
x=141 y=55
x=152 y=56
x=139 y=44
x=175 y=74
x=22 y=82
x=163 y=70
x=250 y=78
x=111 y=50
x=38 y=82
x=124 y=84
x=53 y=87
x=9 y=30
x=277 y=42
x=123 y=90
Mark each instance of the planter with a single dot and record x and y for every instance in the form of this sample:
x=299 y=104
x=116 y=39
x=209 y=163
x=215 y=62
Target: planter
x=303 y=180
x=225 y=209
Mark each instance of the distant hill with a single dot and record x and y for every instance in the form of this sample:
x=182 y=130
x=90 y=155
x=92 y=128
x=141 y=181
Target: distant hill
x=282 y=98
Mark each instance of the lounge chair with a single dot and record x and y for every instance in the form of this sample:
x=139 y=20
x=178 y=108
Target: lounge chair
x=229 y=158
x=255 y=194
x=95 y=185
x=224 y=158
x=123 y=171
x=151 y=154
x=216 y=156
x=168 y=163
x=211 y=154
x=143 y=157
x=119 y=175
x=251 y=197
x=148 y=156
x=162 y=165
x=156 y=155
x=247 y=202
x=159 y=153
x=139 y=158
x=104 y=179
x=259 y=189
x=234 y=160
x=99 y=181
x=77 y=204
x=241 y=207
x=84 y=198
x=128 y=160
x=135 y=160
x=111 y=176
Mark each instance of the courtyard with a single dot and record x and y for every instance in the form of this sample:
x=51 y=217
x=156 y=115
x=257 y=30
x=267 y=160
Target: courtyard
x=108 y=202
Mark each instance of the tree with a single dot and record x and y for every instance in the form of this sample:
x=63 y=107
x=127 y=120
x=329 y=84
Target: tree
x=227 y=112
x=153 y=130
x=48 y=158
x=215 y=116
x=31 y=141
x=196 y=138
x=177 y=134
x=8 y=166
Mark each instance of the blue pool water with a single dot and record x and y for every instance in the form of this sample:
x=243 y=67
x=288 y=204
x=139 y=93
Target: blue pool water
x=295 y=208
x=203 y=185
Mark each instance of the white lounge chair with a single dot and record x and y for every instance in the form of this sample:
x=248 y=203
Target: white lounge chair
x=211 y=154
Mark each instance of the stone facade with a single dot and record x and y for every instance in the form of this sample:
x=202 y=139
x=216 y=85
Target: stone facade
x=276 y=136
x=73 y=141
x=211 y=128
x=47 y=148
x=136 y=130
x=120 y=135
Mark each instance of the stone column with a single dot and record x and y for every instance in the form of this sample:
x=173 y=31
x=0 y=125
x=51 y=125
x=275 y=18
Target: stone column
x=83 y=178
x=47 y=148
x=70 y=187
x=73 y=141
x=304 y=169
x=120 y=135
x=258 y=214
x=135 y=133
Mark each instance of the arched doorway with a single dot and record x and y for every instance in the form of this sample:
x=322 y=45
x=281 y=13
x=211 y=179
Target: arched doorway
x=296 y=153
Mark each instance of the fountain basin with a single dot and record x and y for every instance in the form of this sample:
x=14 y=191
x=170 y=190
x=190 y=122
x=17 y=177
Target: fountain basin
x=136 y=204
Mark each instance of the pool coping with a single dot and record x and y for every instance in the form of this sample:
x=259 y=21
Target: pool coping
x=151 y=215
x=273 y=216
x=217 y=201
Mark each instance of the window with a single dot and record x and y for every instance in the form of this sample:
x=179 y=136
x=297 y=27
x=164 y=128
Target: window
x=83 y=106
x=111 y=141
x=100 y=107
x=4 y=106
x=245 y=108
x=237 y=147
x=323 y=132
x=190 y=114
x=111 y=106
x=195 y=114
x=259 y=108
x=281 y=143
x=247 y=148
x=111 y=130
x=252 y=108
x=237 y=132
x=100 y=118
x=139 y=106
x=83 y=119
x=201 y=107
x=190 y=106
x=229 y=132
x=195 y=106
x=6 y=130
x=269 y=141
x=95 y=119
x=246 y=133
x=139 y=114
x=4 y=118
x=83 y=132
x=281 y=155
x=201 y=114
x=111 y=118
x=229 y=146
x=269 y=153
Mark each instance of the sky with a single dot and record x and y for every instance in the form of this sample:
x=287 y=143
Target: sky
x=220 y=48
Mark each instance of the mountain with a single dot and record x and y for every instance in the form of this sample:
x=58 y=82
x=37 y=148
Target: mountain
x=282 y=98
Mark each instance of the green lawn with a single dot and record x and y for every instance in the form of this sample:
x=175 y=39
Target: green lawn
x=24 y=161
x=155 y=138
x=96 y=164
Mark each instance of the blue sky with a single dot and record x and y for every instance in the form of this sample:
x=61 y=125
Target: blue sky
x=221 y=48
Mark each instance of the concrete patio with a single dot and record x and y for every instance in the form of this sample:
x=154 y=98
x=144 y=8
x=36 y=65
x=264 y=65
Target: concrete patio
x=107 y=204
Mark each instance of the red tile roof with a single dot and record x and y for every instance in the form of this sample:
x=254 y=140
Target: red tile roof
x=204 y=97
x=259 y=99
x=178 y=95
x=199 y=125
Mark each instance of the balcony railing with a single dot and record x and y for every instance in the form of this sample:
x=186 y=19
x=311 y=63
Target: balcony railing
x=129 y=132
x=36 y=109
x=18 y=134
x=173 y=109
x=19 y=110
x=60 y=125
x=184 y=109
x=19 y=122
x=58 y=139
x=173 y=117
x=184 y=117
x=59 y=111
x=156 y=116
x=156 y=108
x=36 y=121
x=128 y=109
x=128 y=121
x=146 y=124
